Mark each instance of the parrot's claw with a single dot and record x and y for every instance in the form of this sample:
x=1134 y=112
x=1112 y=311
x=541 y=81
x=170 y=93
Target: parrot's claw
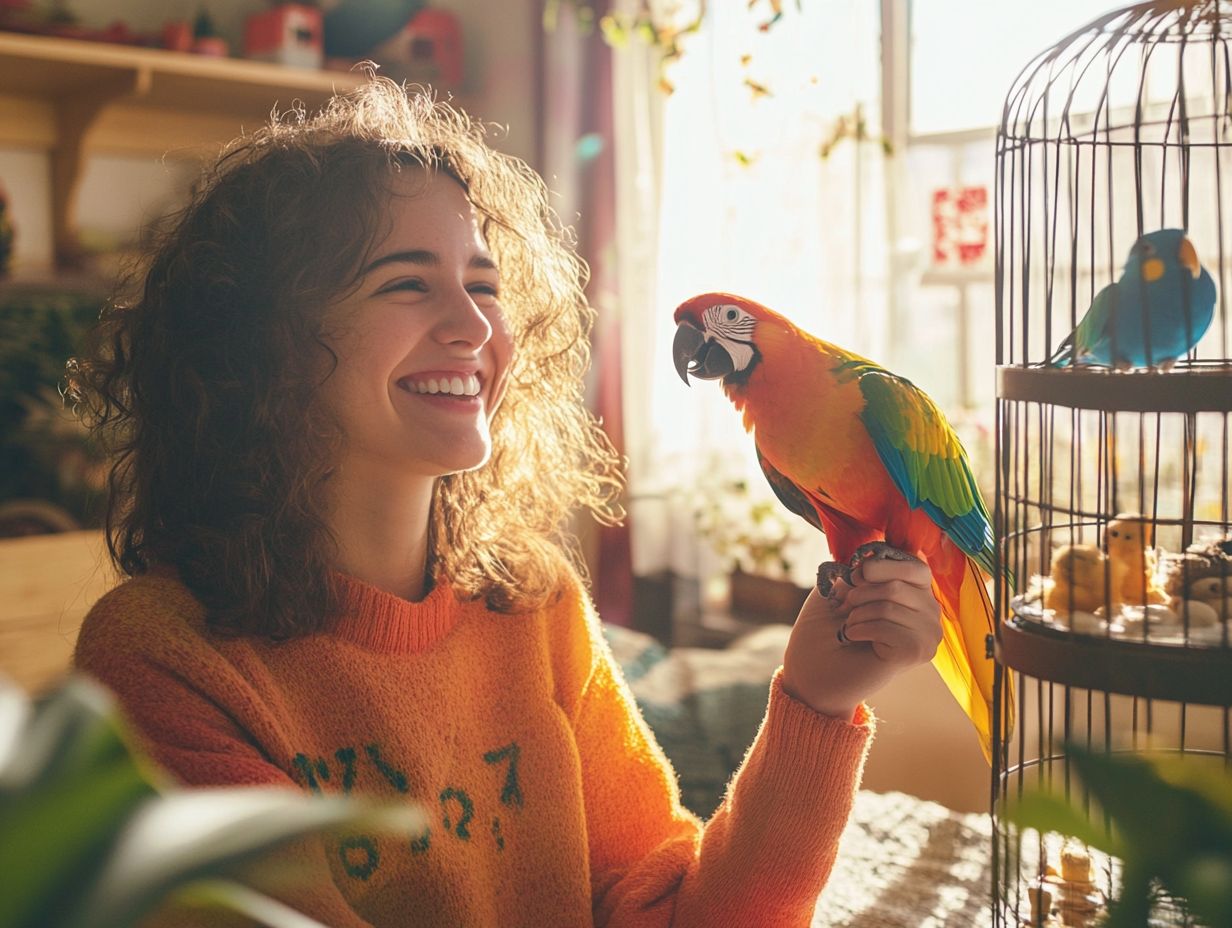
x=878 y=551
x=828 y=573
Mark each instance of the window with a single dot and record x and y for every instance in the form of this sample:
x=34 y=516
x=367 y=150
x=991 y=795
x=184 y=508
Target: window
x=965 y=55
x=891 y=257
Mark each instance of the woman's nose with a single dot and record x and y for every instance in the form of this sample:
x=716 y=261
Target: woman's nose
x=464 y=321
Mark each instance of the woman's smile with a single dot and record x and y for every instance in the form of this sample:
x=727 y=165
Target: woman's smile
x=442 y=382
x=459 y=391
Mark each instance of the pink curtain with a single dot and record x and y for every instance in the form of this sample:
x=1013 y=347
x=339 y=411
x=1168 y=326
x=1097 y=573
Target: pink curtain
x=575 y=154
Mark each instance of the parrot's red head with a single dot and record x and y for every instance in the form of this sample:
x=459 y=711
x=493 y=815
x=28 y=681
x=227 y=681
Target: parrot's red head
x=714 y=337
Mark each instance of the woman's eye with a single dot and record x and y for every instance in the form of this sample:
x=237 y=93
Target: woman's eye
x=410 y=283
x=486 y=289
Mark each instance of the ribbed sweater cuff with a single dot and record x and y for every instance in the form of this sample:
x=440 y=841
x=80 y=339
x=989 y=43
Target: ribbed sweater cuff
x=822 y=748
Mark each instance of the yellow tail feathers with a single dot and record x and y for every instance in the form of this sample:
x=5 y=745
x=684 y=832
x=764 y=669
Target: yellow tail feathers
x=962 y=657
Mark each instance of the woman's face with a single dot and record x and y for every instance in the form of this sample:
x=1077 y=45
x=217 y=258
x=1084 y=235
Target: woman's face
x=422 y=346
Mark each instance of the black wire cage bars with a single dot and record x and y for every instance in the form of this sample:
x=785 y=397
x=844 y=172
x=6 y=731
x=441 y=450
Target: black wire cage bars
x=1114 y=206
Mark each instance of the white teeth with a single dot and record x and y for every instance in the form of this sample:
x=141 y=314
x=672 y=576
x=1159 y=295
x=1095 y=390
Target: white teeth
x=449 y=386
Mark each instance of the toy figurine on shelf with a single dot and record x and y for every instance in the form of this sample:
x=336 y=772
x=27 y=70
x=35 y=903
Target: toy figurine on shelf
x=177 y=36
x=53 y=17
x=1128 y=541
x=428 y=50
x=1078 y=903
x=1135 y=592
x=287 y=33
x=206 y=40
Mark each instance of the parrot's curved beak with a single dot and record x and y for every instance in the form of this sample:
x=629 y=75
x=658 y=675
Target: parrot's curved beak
x=1188 y=256
x=693 y=354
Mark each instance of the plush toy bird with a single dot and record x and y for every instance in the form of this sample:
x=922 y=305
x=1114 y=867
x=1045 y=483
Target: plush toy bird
x=866 y=457
x=1157 y=311
x=1128 y=539
x=1083 y=578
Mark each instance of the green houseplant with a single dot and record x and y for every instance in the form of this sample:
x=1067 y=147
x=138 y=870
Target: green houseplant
x=45 y=454
x=88 y=839
x=1170 y=825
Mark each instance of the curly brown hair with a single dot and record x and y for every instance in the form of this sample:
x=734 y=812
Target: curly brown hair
x=204 y=383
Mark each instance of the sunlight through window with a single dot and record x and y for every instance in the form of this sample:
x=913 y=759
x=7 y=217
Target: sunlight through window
x=965 y=56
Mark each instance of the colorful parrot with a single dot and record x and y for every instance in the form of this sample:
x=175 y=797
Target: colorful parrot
x=1160 y=308
x=866 y=457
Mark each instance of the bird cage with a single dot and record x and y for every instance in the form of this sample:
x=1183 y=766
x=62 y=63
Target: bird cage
x=1113 y=489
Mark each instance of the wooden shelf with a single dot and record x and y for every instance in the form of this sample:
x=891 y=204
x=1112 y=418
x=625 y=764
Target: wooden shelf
x=75 y=99
x=55 y=70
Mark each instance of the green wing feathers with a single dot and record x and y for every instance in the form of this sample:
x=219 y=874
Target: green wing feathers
x=926 y=461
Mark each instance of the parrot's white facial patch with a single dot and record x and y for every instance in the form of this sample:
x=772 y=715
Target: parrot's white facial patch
x=732 y=327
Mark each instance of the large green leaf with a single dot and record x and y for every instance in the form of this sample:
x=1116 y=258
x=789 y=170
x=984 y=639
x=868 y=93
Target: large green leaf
x=71 y=732
x=87 y=841
x=1206 y=778
x=1046 y=812
x=1207 y=883
x=1171 y=821
x=67 y=783
x=189 y=835
x=58 y=838
x=236 y=897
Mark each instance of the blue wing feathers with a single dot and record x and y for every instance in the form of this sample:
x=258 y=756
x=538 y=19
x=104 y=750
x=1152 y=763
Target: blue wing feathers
x=897 y=465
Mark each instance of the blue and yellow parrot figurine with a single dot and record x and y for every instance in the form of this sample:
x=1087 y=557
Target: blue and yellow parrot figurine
x=1156 y=312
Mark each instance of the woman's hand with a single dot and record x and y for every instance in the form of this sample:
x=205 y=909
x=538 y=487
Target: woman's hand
x=891 y=622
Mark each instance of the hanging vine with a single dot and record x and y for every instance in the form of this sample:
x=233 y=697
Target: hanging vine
x=660 y=24
x=664 y=25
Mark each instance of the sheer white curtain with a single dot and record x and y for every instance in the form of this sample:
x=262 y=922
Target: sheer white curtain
x=729 y=190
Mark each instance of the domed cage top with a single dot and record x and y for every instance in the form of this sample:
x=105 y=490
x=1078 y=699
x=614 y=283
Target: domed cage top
x=1118 y=130
x=1114 y=390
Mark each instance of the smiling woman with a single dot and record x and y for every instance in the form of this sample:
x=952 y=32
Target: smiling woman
x=285 y=284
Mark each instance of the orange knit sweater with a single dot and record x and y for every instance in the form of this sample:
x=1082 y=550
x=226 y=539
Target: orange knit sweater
x=550 y=802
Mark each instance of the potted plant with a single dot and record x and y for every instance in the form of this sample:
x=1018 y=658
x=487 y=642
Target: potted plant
x=52 y=476
x=752 y=534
